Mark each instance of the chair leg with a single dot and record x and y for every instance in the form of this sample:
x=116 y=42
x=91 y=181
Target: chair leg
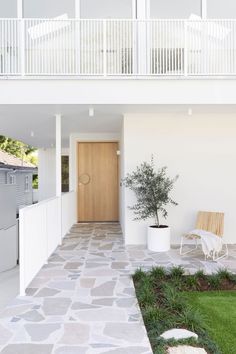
x=186 y=252
x=225 y=254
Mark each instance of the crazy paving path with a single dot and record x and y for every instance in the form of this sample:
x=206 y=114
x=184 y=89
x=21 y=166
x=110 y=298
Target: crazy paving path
x=83 y=301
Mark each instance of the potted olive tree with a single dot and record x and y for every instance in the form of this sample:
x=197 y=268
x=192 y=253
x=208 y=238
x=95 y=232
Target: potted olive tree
x=152 y=189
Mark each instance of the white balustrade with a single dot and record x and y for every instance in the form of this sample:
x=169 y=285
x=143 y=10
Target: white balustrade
x=42 y=227
x=118 y=48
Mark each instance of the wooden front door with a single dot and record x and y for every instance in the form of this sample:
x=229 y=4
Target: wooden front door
x=97 y=182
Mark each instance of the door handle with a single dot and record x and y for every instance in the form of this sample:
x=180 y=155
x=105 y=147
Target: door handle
x=84 y=179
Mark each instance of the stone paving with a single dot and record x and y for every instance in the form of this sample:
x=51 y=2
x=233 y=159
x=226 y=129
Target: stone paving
x=83 y=301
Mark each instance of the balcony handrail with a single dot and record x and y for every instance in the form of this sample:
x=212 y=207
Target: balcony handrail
x=117 y=47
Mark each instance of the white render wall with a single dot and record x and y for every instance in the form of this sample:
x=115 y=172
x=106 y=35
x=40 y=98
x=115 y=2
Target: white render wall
x=202 y=150
x=46 y=173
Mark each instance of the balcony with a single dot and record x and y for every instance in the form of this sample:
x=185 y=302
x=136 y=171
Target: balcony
x=117 y=48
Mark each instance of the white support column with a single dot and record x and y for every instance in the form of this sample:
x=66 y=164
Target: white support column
x=58 y=172
x=204 y=9
x=77 y=36
x=58 y=155
x=77 y=8
x=142 y=9
x=19 y=9
x=142 y=31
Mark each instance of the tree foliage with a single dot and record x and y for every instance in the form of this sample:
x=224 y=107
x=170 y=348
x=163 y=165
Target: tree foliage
x=152 y=189
x=18 y=149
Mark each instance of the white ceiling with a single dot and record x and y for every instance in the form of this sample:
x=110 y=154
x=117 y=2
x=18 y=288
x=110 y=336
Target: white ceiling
x=18 y=121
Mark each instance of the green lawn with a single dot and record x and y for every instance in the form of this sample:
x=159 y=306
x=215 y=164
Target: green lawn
x=219 y=308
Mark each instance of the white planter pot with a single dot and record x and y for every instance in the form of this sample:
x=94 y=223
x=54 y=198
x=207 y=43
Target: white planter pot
x=158 y=239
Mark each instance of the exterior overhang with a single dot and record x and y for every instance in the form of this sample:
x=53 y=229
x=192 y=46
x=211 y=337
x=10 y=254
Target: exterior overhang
x=117 y=91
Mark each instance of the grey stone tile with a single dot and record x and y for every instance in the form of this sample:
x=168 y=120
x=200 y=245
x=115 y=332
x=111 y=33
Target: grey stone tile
x=127 y=350
x=105 y=289
x=73 y=265
x=56 y=306
x=46 y=292
x=130 y=332
x=40 y=332
x=75 y=334
x=71 y=350
x=32 y=316
x=27 y=349
x=5 y=335
x=82 y=306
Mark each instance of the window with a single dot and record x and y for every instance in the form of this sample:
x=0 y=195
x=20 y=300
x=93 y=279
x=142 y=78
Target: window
x=65 y=174
x=8 y=8
x=12 y=179
x=106 y=9
x=174 y=9
x=26 y=183
x=48 y=8
x=221 y=9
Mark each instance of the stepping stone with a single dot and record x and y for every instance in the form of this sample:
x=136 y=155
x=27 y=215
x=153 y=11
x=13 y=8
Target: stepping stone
x=130 y=332
x=5 y=335
x=178 y=333
x=47 y=292
x=75 y=334
x=32 y=316
x=56 y=306
x=27 y=348
x=127 y=350
x=184 y=349
x=40 y=332
x=105 y=289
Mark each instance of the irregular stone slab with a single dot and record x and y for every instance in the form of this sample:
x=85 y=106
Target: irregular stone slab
x=126 y=302
x=102 y=315
x=119 y=265
x=27 y=349
x=63 y=285
x=82 y=306
x=56 y=258
x=46 y=292
x=15 y=310
x=5 y=335
x=103 y=272
x=39 y=332
x=69 y=247
x=75 y=333
x=105 y=301
x=127 y=350
x=130 y=332
x=184 y=349
x=73 y=265
x=87 y=282
x=178 y=333
x=31 y=291
x=96 y=265
x=56 y=306
x=105 y=289
x=71 y=350
x=106 y=247
x=32 y=316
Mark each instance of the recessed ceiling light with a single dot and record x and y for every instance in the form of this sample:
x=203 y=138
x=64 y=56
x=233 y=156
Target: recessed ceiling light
x=190 y=112
x=91 y=112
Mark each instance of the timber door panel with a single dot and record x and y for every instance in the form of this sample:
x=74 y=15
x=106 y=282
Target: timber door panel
x=97 y=182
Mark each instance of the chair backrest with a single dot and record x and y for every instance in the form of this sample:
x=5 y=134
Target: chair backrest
x=211 y=221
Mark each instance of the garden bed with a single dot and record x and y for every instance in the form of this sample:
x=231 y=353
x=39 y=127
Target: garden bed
x=165 y=301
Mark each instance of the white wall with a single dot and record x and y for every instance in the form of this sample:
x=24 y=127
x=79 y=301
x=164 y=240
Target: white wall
x=46 y=173
x=202 y=150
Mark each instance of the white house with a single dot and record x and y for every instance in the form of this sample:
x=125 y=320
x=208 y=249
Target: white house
x=15 y=171
x=109 y=83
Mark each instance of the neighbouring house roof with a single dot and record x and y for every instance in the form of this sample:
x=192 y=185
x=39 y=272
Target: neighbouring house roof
x=8 y=161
